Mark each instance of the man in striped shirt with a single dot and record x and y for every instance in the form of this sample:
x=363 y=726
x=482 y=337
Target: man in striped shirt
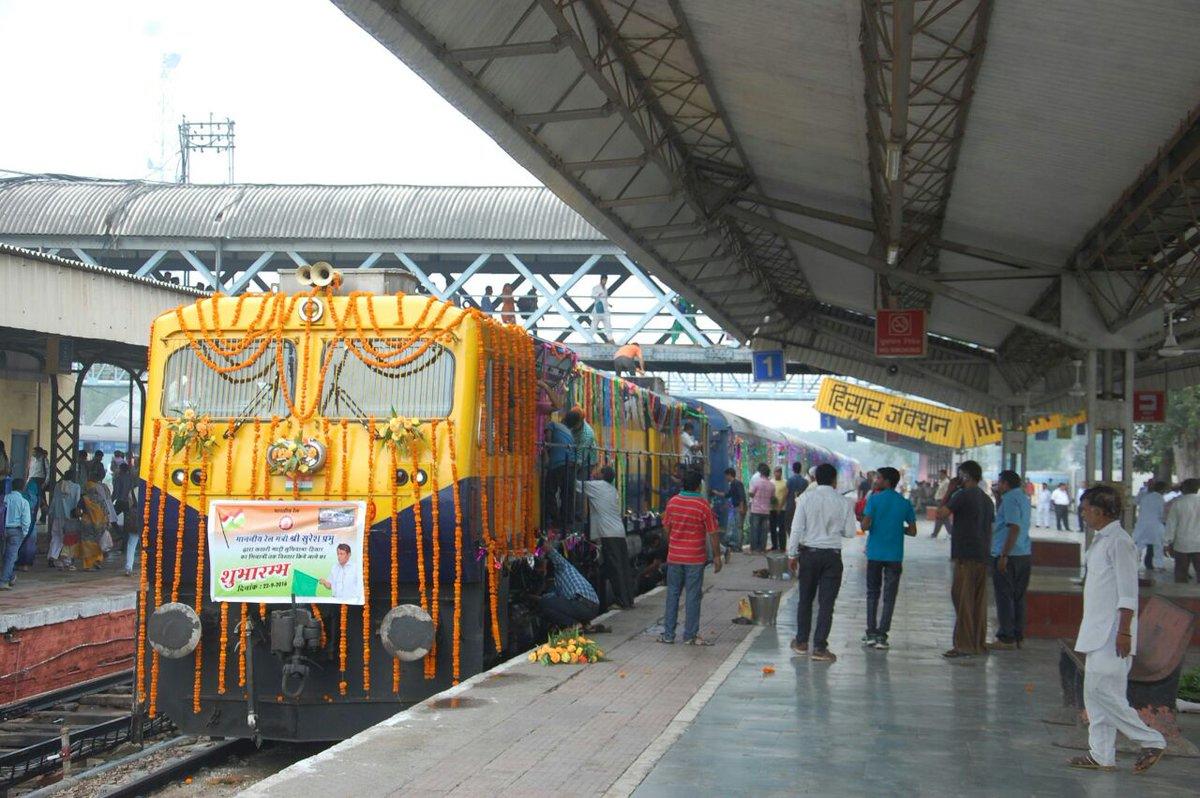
x=689 y=522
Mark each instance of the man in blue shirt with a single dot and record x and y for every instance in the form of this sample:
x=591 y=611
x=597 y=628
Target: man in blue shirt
x=572 y=600
x=887 y=518
x=796 y=484
x=16 y=524
x=1011 y=560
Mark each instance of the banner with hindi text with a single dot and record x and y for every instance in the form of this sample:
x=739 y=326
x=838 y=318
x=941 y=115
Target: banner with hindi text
x=271 y=551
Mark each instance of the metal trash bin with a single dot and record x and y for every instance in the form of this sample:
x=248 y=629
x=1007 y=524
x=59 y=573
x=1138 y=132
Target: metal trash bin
x=764 y=606
x=777 y=565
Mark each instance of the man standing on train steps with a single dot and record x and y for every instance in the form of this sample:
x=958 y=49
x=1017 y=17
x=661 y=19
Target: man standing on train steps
x=823 y=518
x=607 y=527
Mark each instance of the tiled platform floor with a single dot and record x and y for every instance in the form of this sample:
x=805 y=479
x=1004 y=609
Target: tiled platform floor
x=903 y=722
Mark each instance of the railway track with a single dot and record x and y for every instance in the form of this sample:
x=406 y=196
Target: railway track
x=41 y=734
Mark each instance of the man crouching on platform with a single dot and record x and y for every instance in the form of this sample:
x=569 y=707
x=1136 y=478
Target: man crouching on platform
x=1108 y=637
x=573 y=600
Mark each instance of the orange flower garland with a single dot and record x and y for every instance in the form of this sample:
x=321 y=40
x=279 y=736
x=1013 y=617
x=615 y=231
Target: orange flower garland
x=199 y=597
x=158 y=571
x=180 y=518
x=419 y=523
x=395 y=547
x=243 y=643
x=436 y=535
x=221 y=652
x=272 y=436
x=484 y=488
x=502 y=442
x=254 y=460
x=458 y=554
x=143 y=584
x=366 y=563
x=342 y=684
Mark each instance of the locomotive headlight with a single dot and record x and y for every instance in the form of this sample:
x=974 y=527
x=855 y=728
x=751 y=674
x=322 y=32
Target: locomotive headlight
x=173 y=630
x=401 y=477
x=178 y=476
x=197 y=476
x=420 y=477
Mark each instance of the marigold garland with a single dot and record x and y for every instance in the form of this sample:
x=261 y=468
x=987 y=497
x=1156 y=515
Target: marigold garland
x=254 y=459
x=366 y=563
x=343 y=633
x=272 y=435
x=229 y=438
x=158 y=569
x=458 y=528
x=224 y=645
x=243 y=643
x=484 y=481
x=419 y=523
x=180 y=518
x=436 y=535
x=202 y=516
x=143 y=583
x=395 y=552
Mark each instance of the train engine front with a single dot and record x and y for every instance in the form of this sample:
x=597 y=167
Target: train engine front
x=333 y=479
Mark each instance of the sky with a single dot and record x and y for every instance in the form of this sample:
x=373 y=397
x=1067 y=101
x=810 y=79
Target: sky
x=313 y=97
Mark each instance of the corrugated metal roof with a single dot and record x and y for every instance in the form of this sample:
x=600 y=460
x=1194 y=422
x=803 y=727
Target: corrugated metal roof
x=29 y=254
x=83 y=207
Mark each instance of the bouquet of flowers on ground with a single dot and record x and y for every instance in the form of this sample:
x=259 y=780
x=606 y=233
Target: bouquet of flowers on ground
x=567 y=647
x=192 y=430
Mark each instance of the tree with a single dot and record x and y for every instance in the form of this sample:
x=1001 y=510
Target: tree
x=1172 y=448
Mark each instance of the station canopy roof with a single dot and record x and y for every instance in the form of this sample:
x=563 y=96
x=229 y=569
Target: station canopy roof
x=1026 y=171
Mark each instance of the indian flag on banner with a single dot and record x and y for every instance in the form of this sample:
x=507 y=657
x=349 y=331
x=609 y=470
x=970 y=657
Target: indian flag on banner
x=232 y=521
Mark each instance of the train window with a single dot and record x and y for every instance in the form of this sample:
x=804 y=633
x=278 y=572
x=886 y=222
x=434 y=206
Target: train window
x=253 y=392
x=423 y=388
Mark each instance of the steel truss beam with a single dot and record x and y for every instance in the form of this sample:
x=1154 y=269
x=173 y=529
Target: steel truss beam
x=1145 y=248
x=704 y=385
x=920 y=61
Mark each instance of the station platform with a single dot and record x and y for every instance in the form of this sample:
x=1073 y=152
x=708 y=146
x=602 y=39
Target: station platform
x=62 y=627
x=676 y=720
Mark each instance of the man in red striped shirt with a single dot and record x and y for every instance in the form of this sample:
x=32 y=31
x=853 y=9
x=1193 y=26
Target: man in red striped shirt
x=689 y=522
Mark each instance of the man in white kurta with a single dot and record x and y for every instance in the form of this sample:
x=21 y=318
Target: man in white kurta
x=1108 y=637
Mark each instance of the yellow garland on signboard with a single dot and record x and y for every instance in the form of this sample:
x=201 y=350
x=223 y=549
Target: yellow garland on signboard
x=942 y=426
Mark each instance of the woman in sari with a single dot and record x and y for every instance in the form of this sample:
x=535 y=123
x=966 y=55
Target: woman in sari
x=95 y=523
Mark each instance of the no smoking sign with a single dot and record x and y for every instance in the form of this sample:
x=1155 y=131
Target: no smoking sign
x=900 y=333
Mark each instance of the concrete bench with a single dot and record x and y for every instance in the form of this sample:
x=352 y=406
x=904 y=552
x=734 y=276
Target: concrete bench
x=1164 y=630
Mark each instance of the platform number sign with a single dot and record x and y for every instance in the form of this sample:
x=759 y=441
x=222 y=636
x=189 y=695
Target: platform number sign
x=768 y=366
x=828 y=421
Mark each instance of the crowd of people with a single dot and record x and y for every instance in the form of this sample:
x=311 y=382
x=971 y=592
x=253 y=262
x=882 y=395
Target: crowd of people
x=988 y=537
x=89 y=515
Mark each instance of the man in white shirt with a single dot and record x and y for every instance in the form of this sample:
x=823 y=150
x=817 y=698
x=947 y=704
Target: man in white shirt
x=606 y=525
x=601 y=316
x=1182 y=540
x=345 y=580
x=822 y=519
x=1108 y=637
x=1062 y=506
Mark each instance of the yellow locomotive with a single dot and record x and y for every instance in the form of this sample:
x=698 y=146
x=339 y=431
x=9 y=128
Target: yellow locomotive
x=299 y=449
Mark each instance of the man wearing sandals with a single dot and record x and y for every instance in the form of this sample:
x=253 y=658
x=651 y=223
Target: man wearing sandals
x=691 y=534
x=1108 y=638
